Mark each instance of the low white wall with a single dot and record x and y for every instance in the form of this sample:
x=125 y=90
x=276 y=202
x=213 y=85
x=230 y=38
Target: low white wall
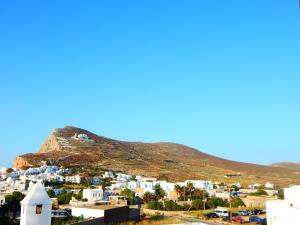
x=87 y=213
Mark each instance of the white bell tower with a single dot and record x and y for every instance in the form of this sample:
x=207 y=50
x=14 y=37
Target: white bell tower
x=36 y=207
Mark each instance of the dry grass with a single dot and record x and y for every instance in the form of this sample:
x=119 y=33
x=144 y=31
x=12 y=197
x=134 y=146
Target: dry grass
x=155 y=220
x=175 y=161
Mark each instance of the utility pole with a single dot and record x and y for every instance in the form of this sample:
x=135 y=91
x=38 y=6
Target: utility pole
x=204 y=199
x=229 y=200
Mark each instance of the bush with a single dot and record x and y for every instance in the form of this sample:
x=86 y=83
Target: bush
x=259 y=192
x=198 y=204
x=280 y=194
x=51 y=193
x=64 y=198
x=172 y=206
x=13 y=203
x=155 y=205
x=213 y=203
x=147 y=197
x=237 y=202
x=65 y=221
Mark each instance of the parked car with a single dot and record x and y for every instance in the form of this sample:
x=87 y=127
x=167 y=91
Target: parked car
x=238 y=219
x=222 y=212
x=60 y=213
x=211 y=215
x=244 y=212
x=255 y=219
x=258 y=212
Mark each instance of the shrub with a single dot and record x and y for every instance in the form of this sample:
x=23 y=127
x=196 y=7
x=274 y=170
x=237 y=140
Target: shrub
x=237 y=202
x=155 y=205
x=64 y=198
x=147 y=197
x=172 y=206
x=198 y=204
x=215 y=202
x=259 y=192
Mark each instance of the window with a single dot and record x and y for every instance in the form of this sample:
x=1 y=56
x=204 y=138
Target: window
x=38 y=209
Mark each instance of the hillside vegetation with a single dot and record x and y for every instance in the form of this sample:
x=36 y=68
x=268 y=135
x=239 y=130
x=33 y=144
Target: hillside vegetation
x=174 y=161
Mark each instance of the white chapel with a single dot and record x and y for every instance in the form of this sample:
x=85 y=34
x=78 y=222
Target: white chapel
x=36 y=206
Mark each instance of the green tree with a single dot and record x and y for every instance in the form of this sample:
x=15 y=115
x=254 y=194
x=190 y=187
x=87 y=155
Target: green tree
x=128 y=193
x=106 y=182
x=130 y=196
x=280 y=194
x=235 y=188
x=155 y=205
x=179 y=189
x=51 y=193
x=198 y=204
x=159 y=192
x=199 y=194
x=189 y=190
x=64 y=198
x=147 y=197
x=79 y=195
x=13 y=203
x=215 y=202
x=237 y=202
x=259 y=192
x=172 y=206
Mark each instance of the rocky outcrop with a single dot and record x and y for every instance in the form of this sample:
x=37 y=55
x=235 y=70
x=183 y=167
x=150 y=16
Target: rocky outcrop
x=21 y=162
x=50 y=144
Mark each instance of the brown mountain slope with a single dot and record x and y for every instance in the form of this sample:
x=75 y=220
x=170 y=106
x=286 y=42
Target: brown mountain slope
x=177 y=162
x=288 y=165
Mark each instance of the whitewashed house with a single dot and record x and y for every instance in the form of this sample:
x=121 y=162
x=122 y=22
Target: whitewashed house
x=167 y=187
x=36 y=207
x=109 y=174
x=201 y=184
x=118 y=185
x=147 y=186
x=147 y=179
x=269 y=185
x=93 y=194
x=132 y=185
x=123 y=177
x=287 y=211
x=77 y=179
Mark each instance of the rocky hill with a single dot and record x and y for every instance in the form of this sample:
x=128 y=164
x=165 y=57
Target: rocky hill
x=71 y=146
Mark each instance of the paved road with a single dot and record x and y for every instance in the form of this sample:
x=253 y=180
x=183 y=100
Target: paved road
x=192 y=221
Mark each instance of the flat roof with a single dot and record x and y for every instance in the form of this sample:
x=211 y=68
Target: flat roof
x=102 y=207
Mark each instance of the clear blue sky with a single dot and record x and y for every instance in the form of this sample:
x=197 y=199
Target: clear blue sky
x=220 y=76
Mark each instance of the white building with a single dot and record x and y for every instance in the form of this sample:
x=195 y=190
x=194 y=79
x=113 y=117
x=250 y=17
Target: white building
x=36 y=207
x=123 y=177
x=118 y=185
x=73 y=179
x=269 y=185
x=147 y=186
x=132 y=185
x=201 y=184
x=166 y=186
x=93 y=194
x=87 y=212
x=287 y=211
